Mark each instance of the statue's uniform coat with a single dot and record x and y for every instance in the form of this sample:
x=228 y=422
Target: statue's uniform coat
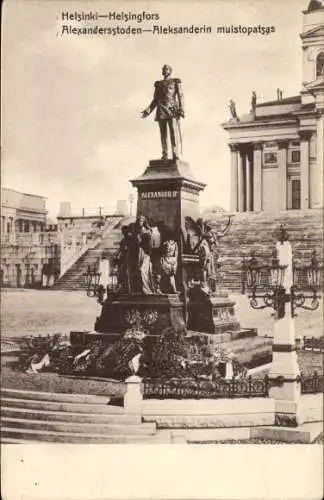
x=168 y=101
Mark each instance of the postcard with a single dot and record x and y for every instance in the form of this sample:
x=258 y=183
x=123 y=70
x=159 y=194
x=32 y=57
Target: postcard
x=162 y=249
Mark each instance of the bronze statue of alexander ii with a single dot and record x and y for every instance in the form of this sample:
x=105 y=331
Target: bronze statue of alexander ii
x=168 y=101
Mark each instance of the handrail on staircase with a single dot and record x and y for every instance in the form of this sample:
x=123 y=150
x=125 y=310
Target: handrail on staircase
x=79 y=251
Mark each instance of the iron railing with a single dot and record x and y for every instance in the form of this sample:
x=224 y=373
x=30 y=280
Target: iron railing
x=313 y=344
x=218 y=389
x=312 y=384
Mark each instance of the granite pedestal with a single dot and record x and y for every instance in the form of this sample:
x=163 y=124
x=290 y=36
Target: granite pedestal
x=117 y=314
x=211 y=313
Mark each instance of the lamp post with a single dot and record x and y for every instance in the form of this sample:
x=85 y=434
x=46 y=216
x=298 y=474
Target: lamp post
x=282 y=282
x=101 y=282
x=93 y=286
x=284 y=287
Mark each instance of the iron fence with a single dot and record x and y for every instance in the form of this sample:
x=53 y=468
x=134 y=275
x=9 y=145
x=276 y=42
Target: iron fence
x=218 y=389
x=312 y=384
x=313 y=344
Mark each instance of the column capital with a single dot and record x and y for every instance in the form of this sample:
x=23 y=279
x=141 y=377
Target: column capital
x=234 y=147
x=305 y=135
x=283 y=143
x=257 y=145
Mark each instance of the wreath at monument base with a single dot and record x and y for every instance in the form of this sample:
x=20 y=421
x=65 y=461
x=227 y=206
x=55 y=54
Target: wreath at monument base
x=172 y=355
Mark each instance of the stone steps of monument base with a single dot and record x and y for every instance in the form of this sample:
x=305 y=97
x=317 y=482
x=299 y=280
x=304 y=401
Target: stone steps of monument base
x=30 y=416
x=69 y=416
x=35 y=404
x=12 y=440
x=88 y=428
x=27 y=435
x=54 y=396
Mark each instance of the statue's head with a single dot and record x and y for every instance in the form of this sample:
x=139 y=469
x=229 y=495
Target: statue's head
x=166 y=70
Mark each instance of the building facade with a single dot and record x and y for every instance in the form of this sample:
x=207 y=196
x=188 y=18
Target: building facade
x=29 y=249
x=277 y=148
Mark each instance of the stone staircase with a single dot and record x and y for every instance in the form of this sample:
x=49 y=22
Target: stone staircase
x=73 y=279
x=256 y=231
x=250 y=230
x=30 y=417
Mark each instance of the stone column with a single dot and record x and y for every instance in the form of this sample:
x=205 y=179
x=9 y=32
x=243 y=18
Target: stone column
x=304 y=168
x=317 y=169
x=241 y=191
x=282 y=175
x=133 y=398
x=234 y=177
x=257 y=176
x=104 y=270
x=284 y=360
x=249 y=175
x=12 y=238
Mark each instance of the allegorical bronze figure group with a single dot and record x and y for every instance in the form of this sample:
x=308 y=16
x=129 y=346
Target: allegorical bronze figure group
x=148 y=256
x=147 y=259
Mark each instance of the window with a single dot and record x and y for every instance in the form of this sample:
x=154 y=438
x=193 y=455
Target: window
x=295 y=156
x=320 y=65
x=270 y=158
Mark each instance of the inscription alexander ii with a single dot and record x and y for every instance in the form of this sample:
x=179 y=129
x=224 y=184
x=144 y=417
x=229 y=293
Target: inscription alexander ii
x=158 y=194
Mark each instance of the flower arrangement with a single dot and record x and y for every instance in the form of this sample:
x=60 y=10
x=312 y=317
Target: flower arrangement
x=134 y=334
x=150 y=316
x=133 y=317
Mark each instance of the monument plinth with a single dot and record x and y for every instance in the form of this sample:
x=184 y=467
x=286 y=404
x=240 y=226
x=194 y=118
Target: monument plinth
x=152 y=313
x=168 y=192
x=211 y=313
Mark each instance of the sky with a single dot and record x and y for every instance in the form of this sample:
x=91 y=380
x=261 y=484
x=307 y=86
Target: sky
x=71 y=105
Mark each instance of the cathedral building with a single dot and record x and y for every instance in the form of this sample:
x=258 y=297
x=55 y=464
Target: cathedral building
x=277 y=148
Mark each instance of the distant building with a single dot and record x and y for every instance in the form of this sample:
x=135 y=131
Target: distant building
x=29 y=250
x=82 y=229
x=21 y=213
x=277 y=148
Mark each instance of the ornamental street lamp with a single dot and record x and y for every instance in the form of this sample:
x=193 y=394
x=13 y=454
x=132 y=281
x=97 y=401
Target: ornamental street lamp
x=267 y=281
x=101 y=281
x=283 y=286
x=92 y=282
